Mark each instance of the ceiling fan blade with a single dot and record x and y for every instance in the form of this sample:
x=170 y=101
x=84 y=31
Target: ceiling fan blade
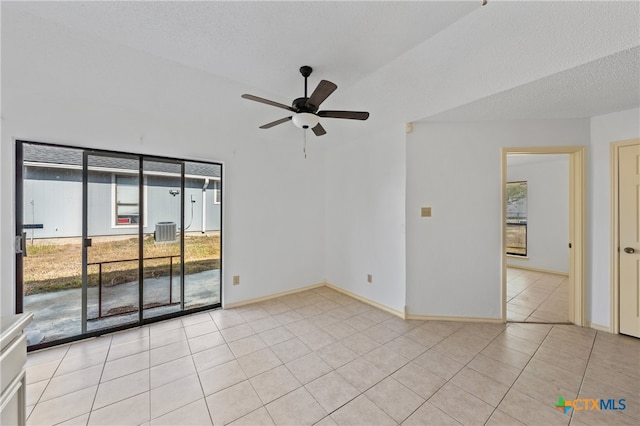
x=275 y=123
x=322 y=92
x=351 y=115
x=319 y=130
x=267 y=101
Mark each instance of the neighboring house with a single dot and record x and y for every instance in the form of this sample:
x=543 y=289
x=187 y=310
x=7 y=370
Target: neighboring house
x=53 y=188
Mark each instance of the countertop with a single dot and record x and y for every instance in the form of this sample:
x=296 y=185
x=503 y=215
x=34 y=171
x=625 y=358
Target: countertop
x=11 y=326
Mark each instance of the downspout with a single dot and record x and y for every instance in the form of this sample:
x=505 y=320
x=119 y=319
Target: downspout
x=204 y=204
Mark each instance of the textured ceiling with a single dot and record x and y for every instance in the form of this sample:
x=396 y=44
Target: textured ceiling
x=263 y=43
x=606 y=85
x=404 y=61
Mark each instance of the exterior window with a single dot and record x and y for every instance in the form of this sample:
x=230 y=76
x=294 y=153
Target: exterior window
x=217 y=193
x=517 y=218
x=127 y=203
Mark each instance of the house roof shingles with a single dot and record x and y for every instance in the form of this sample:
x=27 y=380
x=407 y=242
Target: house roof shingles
x=64 y=156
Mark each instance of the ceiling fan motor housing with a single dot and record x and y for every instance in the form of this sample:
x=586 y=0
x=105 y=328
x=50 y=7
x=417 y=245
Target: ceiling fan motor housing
x=300 y=105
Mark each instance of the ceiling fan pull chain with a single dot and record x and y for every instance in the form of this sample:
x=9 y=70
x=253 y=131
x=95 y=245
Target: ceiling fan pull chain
x=304 y=147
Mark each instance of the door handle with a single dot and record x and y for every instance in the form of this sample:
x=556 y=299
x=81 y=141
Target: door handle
x=21 y=244
x=629 y=250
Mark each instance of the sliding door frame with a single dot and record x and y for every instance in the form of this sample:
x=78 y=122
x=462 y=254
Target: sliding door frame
x=19 y=221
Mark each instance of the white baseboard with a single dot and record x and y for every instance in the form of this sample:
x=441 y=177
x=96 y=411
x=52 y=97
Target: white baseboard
x=530 y=268
x=460 y=319
x=599 y=327
x=325 y=284
x=400 y=314
x=271 y=296
x=405 y=315
x=367 y=301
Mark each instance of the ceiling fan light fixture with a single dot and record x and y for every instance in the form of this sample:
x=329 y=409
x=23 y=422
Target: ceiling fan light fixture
x=305 y=109
x=305 y=120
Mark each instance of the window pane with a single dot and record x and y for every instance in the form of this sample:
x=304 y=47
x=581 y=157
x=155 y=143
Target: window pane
x=202 y=234
x=52 y=194
x=162 y=261
x=517 y=218
x=126 y=210
x=127 y=205
x=216 y=192
x=127 y=189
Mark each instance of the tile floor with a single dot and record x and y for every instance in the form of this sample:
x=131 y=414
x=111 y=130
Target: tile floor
x=320 y=357
x=537 y=296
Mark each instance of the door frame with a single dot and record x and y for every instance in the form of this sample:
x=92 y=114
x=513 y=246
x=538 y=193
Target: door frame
x=577 y=225
x=615 y=231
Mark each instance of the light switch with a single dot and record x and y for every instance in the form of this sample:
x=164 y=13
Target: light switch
x=426 y=212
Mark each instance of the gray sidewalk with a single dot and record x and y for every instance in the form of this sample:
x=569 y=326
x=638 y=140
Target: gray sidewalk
x=59 y=314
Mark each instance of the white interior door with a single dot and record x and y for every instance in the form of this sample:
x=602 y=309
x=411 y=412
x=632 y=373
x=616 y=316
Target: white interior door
x=629 y=237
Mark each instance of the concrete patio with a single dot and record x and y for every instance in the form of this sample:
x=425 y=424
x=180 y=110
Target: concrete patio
x=59 y=314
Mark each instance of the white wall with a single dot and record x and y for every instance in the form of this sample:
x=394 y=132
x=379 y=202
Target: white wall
x=365 y=187
x=547 y=178
x=59 y=86
x=453 y=258
x=604 y=130
x=288 y=221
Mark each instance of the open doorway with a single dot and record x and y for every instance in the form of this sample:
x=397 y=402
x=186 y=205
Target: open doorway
x=543 y=274
x=537 y=235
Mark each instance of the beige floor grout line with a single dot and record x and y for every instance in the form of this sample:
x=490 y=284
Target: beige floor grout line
x=363 y=392
x=529 y=286
x=149 y=359
x=251 y=384
x=440 y=387
x=360 y=393
x=542 y=303
x=104 y=364
x=521 y=291
x=464 y=366
x=48 y=382
x=519 y=374
x=584 y=373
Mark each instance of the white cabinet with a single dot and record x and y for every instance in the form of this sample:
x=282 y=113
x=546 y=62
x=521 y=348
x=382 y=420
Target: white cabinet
x=12 y=369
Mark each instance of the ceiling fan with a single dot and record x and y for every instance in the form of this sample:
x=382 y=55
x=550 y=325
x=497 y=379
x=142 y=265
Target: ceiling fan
x=305 y=109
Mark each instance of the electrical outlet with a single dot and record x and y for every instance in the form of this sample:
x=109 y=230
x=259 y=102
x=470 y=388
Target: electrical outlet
x=236 y=280
x=369 y=278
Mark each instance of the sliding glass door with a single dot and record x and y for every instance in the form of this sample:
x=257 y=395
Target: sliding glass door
x=110 y=240
x=162 y=247
x=111 y=285
x=49 y=240
x=202 y=242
